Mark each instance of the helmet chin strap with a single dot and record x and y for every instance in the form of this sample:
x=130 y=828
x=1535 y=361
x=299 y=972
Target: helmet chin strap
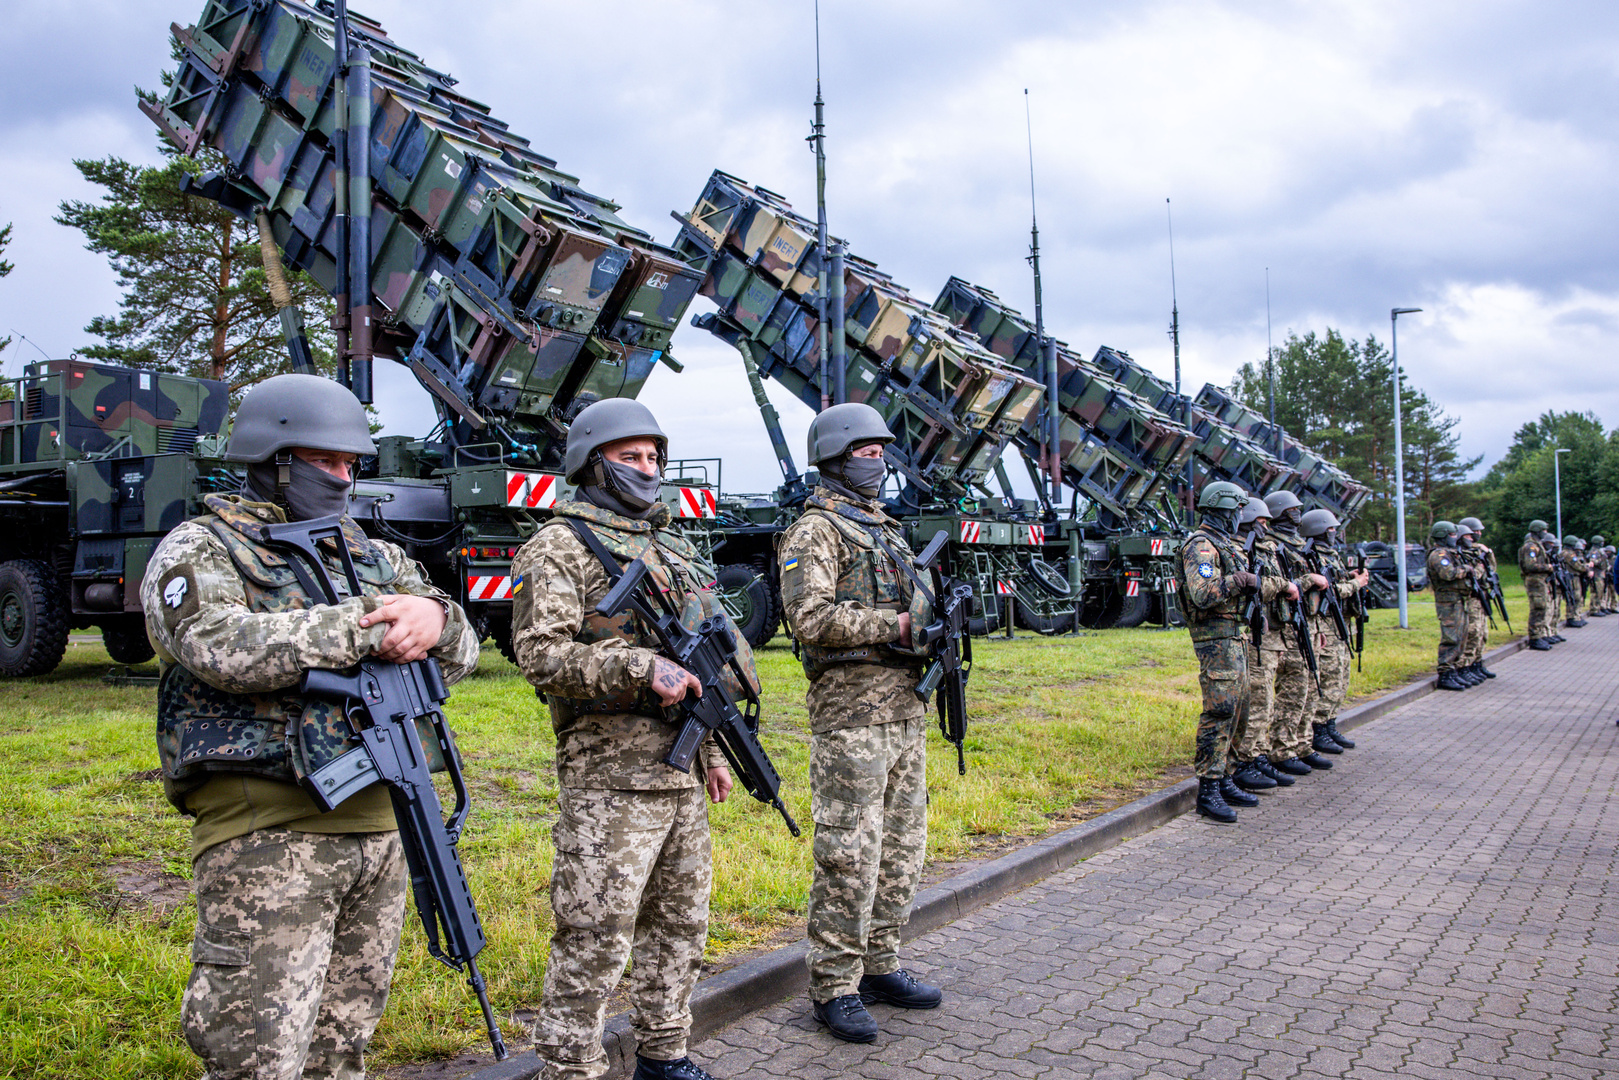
x=283 y=475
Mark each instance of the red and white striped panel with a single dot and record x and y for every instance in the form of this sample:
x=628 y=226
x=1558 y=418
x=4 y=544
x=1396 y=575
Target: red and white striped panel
x=489 y=588
x=970 y=531
x=1157 y=547
x=698 y=502
x=1132 y=587
x=1037 y=534
x=531 y=491
x=1003 y=588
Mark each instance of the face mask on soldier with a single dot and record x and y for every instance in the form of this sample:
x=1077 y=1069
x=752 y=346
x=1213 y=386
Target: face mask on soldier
x=311 y=492
x=623 y=489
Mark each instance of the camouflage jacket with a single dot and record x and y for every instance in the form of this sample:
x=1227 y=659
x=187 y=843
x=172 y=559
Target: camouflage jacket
x=1533 y=557
x=1575 y=563
x=594 y=671
x=842 y=595
x=1294 y=552
x=1449 y=574
x=234 y=633
x=1264 y=562
x=1213 y=604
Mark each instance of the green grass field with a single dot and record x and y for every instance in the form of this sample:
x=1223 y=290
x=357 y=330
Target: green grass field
x=96 y=919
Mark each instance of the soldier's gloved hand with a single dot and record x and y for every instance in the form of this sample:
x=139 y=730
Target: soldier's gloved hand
x=670 y=681
x=718 y=783
x=416 y=624
x=1244 y=581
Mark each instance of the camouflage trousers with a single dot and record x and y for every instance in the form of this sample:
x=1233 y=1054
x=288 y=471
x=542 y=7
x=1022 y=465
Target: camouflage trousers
x=1539 y=587
x=1291 y=736
x=1577 y=605
x=1478 y=633
x=630 y=882
x=1452 y=632
x=1557 y=607
x=869 y=801
x=1222 y=672
x=295 y=945
x=1253 y=732
x=1333 y=656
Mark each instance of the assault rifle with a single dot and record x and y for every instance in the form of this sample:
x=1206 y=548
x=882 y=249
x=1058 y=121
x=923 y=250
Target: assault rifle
x=1330 y=602
x=707 y=652
x=1560 y=579
x=1254 y=615
x=1492 y=581
x=1357 y=604
x=950 y=647
x=1476 y=585
x=383 y=702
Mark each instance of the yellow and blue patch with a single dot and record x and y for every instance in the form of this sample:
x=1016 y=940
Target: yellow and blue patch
x=517 y=584
x=790 y=564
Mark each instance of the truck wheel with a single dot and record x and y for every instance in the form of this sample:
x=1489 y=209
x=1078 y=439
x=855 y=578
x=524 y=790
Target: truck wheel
x=33 y=619
x=747 y=597
x=1050 y=579
x=126 y=641
x=1133 y=610
x=1060 y=623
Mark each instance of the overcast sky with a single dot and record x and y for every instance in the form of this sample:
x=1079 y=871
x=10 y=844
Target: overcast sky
x=1453 y=156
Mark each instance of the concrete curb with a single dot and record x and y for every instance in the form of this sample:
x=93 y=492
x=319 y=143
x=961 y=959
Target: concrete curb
x=747 y=988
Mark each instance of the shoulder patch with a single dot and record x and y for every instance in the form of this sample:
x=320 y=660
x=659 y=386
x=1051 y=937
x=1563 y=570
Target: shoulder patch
x=1205 y=570
x=177 y=595
x=790 y=564
x=1444 y=562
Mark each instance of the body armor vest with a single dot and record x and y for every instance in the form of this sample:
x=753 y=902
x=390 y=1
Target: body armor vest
x=675 y=566
x=1224 y=619
x=280 y=734
x=870 y=579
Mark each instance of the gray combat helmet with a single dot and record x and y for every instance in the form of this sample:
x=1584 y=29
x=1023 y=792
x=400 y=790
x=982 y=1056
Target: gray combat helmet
x=1222 y=495
x=1570 y=540
x=1443 y=531
x=1473 y=525
x=1280 y=502
x=1598 y=540
x=1316 y=522
x=1538 y=527
x=298 y=410
x=835 y=431
x=608 y=421
x=1253 y=511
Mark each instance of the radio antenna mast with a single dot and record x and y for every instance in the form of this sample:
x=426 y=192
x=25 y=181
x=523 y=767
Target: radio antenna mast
x=1048 y=346
x=1175 y=337
x=818 y=140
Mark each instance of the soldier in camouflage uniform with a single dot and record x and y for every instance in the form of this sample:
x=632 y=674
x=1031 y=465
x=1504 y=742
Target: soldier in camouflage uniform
x=1335 y=652
x=1449 y=576
x=1579 y=577
x=633 y=861
x=1602 y=585
x=1250 y=766
x=298 y=911
x=1553 y=546
x=1292 y=741
x=1216 y=584
x=1474 y=553
x=1535 y=563
x=851 y=605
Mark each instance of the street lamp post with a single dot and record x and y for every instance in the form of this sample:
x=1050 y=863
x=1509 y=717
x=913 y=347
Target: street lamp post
x=1399 y=463
x=1557 y=486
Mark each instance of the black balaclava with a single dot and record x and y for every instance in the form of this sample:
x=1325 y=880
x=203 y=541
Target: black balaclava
x=622 y=489
x=311 y=492
x=1221 y=521
x=855 y=478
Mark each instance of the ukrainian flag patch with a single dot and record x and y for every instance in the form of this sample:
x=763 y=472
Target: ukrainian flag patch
x=790 y=564
x=517 y=584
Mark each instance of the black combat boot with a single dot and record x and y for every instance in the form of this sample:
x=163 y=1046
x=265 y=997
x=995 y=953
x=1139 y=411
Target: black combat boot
x=1249 y=778
x=1468 y=676
x=1556 y=638
x=1316 y=761
x=1322 y=743
x=683 y=1069
x=899 y=988
x=846 y=1017
x=1575 y=623
x=1211 y=804
x=1339 y=737
x=1234 y=795
x=1478 y=666
x=1448 y=680
x=1262 y=763
x=1293 y=767
x=1540 y=644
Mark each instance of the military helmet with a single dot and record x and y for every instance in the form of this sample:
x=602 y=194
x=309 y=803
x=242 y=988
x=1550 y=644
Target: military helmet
x=1570 y=540
x=1253 y=511
x=608 y=421
x=1579 y=545
x=1538 y=526
x=1221 y=495
x=835 y=431
x=1473 y=524
x=1464 y=529
x=1280 y=502
x=1442 y=530
x=298 y=410
x=1598 y=540
x=1316 y=522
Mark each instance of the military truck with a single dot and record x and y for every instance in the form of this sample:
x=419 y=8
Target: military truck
x=97 y=462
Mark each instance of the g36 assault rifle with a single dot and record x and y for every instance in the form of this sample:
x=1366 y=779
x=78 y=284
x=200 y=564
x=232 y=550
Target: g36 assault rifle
x=950 y=647
x=707 y=652
x=383 y=703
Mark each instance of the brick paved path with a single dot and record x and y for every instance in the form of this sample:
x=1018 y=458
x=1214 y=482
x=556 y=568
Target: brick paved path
x=1443 y=903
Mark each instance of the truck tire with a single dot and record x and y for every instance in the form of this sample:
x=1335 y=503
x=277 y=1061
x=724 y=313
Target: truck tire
x=33 y=619
x=748 y=598
x=1133 y=610
x=126 y=641
x=1060 y=623
x=1049 y=578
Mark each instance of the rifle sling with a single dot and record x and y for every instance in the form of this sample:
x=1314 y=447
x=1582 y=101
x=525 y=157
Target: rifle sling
x=903 y=564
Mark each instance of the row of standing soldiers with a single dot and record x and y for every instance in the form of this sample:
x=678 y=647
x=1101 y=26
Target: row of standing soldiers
x=1577 y=576
x=1466 y=595
x=1269 y=604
